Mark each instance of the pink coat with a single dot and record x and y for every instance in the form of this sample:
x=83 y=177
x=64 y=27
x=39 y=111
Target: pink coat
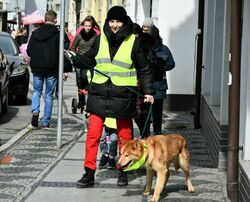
x=24 y=54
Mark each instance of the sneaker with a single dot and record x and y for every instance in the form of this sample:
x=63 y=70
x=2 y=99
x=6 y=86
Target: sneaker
x=34 y=121
x=46 y=127
x=103 y=161
x=87 y=180
x=122 y=179
x=112 y=163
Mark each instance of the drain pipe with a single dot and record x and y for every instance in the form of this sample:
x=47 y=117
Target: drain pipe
x=234 y=99
x=197 y=96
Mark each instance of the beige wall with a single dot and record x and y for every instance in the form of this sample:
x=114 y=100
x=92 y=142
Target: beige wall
x=97 y=8
x=71 y=16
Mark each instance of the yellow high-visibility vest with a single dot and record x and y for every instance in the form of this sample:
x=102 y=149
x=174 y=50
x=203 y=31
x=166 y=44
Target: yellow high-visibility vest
x=110 y=122
x=120 y=69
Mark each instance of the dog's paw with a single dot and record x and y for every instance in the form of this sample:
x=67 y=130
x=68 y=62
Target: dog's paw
x=191 y=189
x=146 y=193
x=153 y=200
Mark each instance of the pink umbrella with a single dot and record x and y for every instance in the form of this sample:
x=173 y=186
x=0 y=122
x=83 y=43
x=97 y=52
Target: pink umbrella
x=32 y=19
x=36 y=17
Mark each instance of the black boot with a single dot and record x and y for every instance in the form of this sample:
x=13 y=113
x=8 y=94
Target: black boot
x=87 y=180
x=122 y=179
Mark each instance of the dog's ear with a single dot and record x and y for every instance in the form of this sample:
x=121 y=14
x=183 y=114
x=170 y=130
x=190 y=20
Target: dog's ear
x=123 y=141
x=138 y=144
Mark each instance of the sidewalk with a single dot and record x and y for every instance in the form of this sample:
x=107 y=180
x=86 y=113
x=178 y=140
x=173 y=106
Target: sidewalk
x=41 y=172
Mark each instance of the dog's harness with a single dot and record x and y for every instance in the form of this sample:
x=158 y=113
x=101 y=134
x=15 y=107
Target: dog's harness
x=138 y=163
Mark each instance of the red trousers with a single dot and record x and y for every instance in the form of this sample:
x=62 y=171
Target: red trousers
x=124 y=130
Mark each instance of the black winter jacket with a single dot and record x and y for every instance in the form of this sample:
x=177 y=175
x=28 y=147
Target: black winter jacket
x=43 y=49
x=109 y=100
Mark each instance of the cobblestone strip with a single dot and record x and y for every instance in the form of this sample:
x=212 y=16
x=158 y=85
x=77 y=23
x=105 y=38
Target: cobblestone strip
x=34 y=157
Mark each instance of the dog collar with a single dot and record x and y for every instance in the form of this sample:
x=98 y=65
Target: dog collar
x=138 y=163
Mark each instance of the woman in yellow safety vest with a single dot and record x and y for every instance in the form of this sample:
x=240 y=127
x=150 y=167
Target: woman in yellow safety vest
x=117 y=54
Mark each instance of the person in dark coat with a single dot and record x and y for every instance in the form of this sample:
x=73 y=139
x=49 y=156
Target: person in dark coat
x=118 y=54
x=161 y=60
x=142 y=109
x=43 y=50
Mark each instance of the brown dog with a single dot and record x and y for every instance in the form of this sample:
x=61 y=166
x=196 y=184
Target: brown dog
x=160 y=151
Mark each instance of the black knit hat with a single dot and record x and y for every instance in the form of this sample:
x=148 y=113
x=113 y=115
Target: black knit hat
x=117 y=13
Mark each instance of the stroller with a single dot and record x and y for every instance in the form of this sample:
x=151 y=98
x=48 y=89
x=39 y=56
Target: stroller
x=82 y=84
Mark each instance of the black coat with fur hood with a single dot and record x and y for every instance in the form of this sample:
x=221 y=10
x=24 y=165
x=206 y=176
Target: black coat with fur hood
x=107 y=99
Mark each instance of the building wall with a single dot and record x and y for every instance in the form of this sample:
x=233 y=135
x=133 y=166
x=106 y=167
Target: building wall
x=245 y=85
x=215 y=135
x=215 y=58
x=214 y=105
x=178 y=27
x=244 y=156
x=214 y=102
x=72 y=23
x=244 y=181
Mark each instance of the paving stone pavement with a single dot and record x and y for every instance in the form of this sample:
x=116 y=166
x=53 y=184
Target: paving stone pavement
x=36 y=156
x=42 y=172
x=33 y=157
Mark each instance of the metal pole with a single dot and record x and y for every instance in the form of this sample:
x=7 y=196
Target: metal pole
x=17 y=18
x=234 y=100
x=18 y=15
x=197 y=96
x=60 y=75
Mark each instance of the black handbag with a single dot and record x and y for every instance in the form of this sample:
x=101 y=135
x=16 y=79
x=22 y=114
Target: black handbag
x=68 y=67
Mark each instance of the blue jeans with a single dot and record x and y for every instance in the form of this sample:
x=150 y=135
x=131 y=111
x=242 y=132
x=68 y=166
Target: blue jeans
x=111 y=147
x=50 y=83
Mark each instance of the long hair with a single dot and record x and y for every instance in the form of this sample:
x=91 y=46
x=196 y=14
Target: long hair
x=92 y=20
x=154 y=32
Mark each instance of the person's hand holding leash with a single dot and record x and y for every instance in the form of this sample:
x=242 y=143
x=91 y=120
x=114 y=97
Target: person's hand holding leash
x=65 y=76
x=69 y=53
x=72 y=57
x=149 y=98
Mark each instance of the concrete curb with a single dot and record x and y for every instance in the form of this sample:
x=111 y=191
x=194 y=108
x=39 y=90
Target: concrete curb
x=14 y=139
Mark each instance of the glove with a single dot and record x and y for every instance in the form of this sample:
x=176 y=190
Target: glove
x=72 y=57
x=69 y=55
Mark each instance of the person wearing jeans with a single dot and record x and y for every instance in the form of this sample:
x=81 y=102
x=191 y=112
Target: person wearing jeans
x=50 y=81
x=43 y=50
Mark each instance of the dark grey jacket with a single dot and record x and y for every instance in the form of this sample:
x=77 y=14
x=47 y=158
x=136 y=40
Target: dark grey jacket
x=167 y=63
x=80 y=45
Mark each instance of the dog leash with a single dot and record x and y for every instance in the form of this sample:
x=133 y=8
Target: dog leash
x=103 y=74
x=146 y=122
